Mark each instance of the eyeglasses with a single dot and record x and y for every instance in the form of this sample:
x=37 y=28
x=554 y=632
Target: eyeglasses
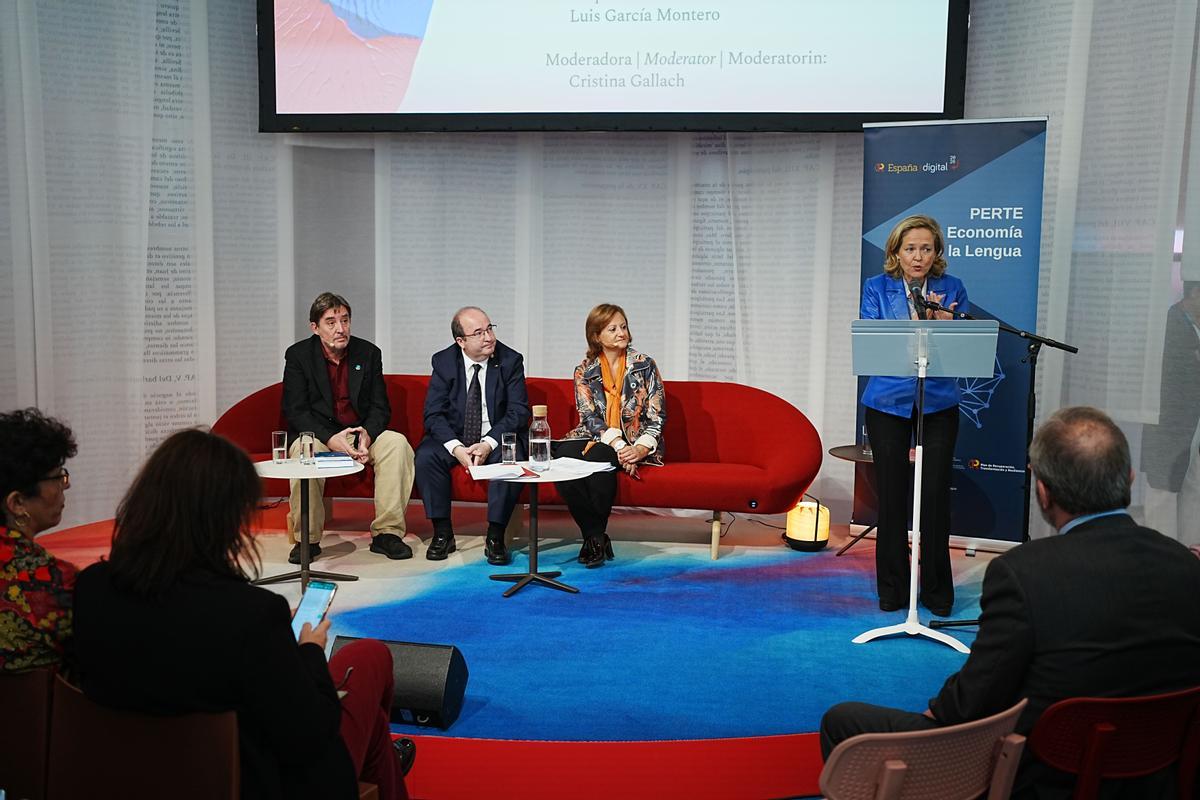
x=481 y=332
x=63 y=477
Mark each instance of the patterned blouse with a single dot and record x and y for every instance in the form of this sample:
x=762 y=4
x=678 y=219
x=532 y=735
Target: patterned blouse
x=35 y=603
x=643 y=405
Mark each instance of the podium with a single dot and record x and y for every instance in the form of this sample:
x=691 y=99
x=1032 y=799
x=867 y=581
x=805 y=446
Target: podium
x=921 y=349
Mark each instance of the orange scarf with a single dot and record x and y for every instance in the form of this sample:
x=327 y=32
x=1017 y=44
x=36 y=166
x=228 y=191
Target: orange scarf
x=613 y=382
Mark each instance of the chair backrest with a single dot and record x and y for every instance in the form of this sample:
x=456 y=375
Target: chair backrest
x=955 y=762
x=25 y=732
x=1121 y=737
x=100 y=752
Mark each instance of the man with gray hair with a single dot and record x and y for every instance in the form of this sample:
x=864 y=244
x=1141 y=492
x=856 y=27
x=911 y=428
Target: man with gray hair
x=1107 y=608
x=333 y=386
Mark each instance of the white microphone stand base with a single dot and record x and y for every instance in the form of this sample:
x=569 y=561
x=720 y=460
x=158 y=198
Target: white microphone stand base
x=913 y=627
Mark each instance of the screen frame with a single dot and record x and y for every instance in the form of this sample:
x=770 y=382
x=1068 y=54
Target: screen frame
x=958 y=20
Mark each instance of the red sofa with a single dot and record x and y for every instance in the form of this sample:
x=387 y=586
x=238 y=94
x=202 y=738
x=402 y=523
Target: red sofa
x=728 y=447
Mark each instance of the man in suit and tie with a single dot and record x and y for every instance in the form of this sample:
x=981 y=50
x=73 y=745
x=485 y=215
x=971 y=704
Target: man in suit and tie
x=1107 y=608
x=333 y=386
x=476 y=394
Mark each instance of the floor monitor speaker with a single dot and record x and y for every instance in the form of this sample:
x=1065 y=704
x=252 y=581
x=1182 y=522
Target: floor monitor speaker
x=431 y=680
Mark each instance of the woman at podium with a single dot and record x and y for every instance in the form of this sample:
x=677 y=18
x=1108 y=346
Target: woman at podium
x=914 y=270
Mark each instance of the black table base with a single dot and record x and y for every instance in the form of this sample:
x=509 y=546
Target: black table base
x=523 y=579
x=304 y=574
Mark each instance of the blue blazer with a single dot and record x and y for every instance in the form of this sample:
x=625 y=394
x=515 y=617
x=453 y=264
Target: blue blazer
x=504 y=386
x=884 y=297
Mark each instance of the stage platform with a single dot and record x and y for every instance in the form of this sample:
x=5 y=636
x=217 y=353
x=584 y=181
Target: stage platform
x=668 y=675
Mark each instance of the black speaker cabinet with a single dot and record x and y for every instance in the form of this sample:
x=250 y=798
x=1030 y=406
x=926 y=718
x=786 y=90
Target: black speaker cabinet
x=431 y=680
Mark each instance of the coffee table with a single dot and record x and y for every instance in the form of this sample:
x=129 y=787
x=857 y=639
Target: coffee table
x=292 y=469
x=523 y=579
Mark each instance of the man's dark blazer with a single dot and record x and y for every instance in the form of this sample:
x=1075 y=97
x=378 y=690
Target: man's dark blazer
x=1167 y=446
x=215 y=643
x=308 y=398
x=504 y=390
x=1108 y=609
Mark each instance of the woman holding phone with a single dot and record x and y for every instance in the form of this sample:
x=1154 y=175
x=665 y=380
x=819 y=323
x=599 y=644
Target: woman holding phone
x=170 y=624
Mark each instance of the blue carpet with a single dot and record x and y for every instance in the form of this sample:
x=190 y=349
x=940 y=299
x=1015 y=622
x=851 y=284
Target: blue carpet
x=664 y=643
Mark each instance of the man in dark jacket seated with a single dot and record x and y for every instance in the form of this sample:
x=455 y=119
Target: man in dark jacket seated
x=1106 y=608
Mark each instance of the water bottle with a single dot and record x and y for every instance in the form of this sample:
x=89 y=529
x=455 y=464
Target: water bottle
x=539 y=440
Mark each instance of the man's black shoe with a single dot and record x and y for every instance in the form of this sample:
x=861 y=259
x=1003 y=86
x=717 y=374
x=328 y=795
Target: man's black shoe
x=889 y=605
x=406 y=751
x=314 y=550
x=440 y=546
x=390 y=545
x=496 y=551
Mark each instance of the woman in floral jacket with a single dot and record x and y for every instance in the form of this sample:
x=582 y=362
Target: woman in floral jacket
x=35 y=587
x=622 y=409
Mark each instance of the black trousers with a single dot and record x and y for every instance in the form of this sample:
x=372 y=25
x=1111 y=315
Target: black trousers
x=850 y=719
x=891 y=437
x=433 y=467
x=590 y=499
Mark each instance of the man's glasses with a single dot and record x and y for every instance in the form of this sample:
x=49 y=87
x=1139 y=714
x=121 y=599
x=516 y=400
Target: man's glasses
x=481 y=332
x=63 y=477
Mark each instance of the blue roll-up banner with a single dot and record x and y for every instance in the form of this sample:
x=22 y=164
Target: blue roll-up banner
x=982 y=181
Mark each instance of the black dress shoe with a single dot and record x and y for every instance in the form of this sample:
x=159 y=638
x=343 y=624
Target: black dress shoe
x=583 y=551
x=937 y=611
x=390 y=545
x=496 y=551
x=440 y=546
x=314 y=550
x=889 y=605
x=594 y=555
x=406 y=751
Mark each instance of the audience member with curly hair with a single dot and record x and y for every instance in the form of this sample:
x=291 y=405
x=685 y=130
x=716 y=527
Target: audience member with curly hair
x=35 y=587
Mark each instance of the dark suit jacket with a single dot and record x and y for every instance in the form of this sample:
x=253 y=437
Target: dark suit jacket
x=308 y=398
x=215 y=643
x=504 y=390
x=1167 y=446
x=1106 y=610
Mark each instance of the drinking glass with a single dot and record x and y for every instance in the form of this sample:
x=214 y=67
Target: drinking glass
x=308 y=447
x=278 y=446
x=508 y=448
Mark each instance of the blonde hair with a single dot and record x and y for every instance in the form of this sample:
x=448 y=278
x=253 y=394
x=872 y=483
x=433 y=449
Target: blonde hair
x=891 y=251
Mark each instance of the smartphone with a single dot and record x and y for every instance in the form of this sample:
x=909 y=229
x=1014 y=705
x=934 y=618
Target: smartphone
x=313 y=605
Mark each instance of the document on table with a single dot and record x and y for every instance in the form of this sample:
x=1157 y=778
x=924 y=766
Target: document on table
x=495 y=472
x=577 y=466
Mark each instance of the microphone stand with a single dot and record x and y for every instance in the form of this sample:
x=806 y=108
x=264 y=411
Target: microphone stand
x=1033 y=349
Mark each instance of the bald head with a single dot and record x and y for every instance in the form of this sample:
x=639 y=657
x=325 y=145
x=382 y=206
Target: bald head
x=1082 y=459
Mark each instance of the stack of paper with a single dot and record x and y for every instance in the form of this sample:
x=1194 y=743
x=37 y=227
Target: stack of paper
x=332 y=460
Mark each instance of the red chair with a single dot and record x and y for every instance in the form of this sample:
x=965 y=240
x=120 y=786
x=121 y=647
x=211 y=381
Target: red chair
x=25 y=733
x=1121 y=737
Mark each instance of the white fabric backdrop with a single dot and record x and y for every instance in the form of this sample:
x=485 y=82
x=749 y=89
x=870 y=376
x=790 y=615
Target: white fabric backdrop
x=157 y=253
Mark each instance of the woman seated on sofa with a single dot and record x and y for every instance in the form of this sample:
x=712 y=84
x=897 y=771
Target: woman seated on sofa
x=622 y=410
x=170 y=624
x=35 y=587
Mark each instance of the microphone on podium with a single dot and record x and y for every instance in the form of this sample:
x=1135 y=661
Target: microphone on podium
x=914 y=288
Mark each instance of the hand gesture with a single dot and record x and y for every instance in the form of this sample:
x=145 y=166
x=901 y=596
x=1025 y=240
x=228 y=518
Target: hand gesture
x=632 y=454
x=479 y=452
x=463 y=456
x=318 y=635
x=341 y=443
x=938 y=298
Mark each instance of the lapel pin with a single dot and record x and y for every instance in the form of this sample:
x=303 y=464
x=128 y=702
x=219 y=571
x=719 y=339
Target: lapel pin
x=358 y=366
